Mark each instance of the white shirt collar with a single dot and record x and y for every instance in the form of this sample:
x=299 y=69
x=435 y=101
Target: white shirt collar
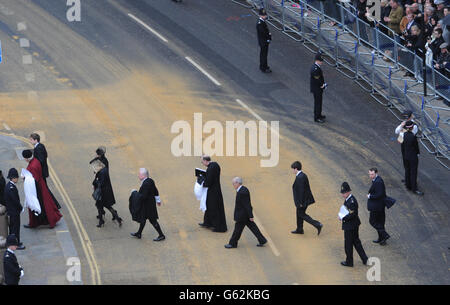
x=36 y=144
x=375 y=178
x=144 y=180
x=348 y=196
x=12 y=182
x=237 y=190
x=10 y=250
x=298 y=173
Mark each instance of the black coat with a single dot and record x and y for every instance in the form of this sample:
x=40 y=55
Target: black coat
x=377 y=193
x=101 y=159
x=12 y=200
x=264 y=36
x=135 y=207
x=11 y=269
x=214 y=199
x=351 y=220
x=302 y=192
x=102 y=178
x=316 y=79
x=243 y=206
x=146 y=197
x=411 y=146
x=40 y=153
x=2 y=188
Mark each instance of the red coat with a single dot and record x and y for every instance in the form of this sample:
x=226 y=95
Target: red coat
x=51 y=211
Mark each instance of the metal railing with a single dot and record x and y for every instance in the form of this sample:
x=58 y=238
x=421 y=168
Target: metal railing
x=369 y=56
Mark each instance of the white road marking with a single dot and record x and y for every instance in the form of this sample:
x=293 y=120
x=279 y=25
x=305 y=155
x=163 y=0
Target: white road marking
x=24 y=43
x=148 y=27
x=256 y=115
x=21 y=26
x=6 y=127
x=269 y=240
x=203 y=71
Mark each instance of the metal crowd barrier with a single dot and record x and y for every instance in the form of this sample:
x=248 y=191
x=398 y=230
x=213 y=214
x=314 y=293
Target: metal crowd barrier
x=354 y=47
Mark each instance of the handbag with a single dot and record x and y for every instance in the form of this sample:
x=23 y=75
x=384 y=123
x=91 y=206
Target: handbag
x=97 y=194
x=389 y=201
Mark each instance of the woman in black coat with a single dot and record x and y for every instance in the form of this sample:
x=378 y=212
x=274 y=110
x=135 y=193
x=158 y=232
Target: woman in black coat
x=107 y=199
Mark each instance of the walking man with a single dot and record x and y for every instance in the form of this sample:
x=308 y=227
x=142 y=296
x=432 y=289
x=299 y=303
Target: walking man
x=148 y=197
x=350 y=225
x=264 y=39
x=302 y=198
x=243 y=215
x=317 y=85
x=13 y=206
x=376 y=206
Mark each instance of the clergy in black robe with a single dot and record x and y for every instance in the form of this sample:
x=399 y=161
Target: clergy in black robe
x=215 y=212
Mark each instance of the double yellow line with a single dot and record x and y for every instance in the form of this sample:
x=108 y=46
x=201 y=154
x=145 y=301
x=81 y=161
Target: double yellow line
x=82 y=234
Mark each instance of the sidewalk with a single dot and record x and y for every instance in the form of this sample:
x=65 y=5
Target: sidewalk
x=44 y=259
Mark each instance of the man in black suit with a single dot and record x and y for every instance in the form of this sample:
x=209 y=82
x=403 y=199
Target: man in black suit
x=12 y=270
x=243 y=216
x=350 y=225
x=302 y=198
x=376 y=206
x=40 y=153
x=317 y=85
x=264 y=39
x=215 y=211
x=411 y=160
x=2 y=188
x=148 y=197
x=13 y=206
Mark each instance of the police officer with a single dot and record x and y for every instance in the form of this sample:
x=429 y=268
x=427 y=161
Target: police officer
x=400 y=131
x=12 y=270
x=264 y=38
x=13 y=206
x=350 y=225
x=317 y=85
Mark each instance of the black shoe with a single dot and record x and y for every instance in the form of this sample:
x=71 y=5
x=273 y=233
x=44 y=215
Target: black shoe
x=21 y=247
x=261 y=244
x=319 y=229
x=376 y=241
x=345 y=264
x=159 y=238
x=101 y=223
x=417 y=192
x=319 y=121
x=137 y=235
x=383 y=241
x=28 y=227
x=203 y=225
x=298 y=232
x=365 y=262
x=228 y=246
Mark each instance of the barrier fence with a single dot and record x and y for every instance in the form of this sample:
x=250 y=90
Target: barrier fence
x=373 y=56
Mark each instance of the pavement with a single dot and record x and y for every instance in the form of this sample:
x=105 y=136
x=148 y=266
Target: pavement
x=109 y=80
x=47 y=251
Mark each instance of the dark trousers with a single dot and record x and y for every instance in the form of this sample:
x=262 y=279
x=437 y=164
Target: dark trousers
x=14 y=225
x=411 y=174
x=263 y=57
x=351 y=239
x=377 y=220
x=302 y=216
x=317 y=104
x=154 y=223
x=239 y=227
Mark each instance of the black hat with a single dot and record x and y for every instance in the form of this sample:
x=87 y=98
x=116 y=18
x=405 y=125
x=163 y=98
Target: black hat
x=409 y=124
x=262 y=12
x=27 y=154
x=11 y=240
x=13 y=173
x=318 y=57
x=407 y=114
x=345 y=188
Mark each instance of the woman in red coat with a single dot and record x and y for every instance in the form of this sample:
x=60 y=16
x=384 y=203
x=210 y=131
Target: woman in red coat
x=49 y=212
